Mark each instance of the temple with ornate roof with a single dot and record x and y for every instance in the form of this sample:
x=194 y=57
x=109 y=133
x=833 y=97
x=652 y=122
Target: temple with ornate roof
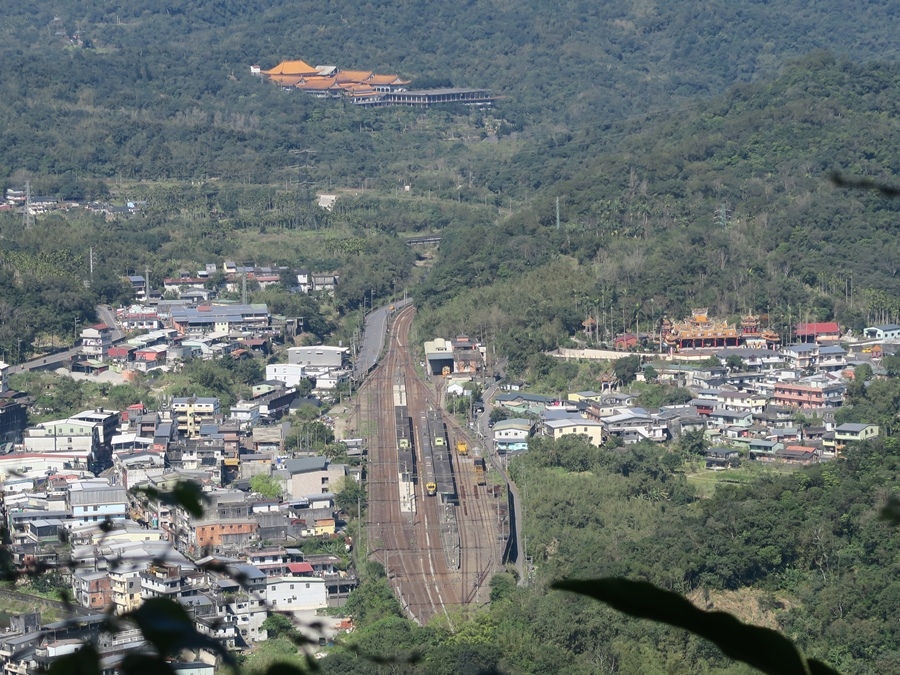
x=700 y=332
x=364 y=87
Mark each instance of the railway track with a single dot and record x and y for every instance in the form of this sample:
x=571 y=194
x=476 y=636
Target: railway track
x=409 y=544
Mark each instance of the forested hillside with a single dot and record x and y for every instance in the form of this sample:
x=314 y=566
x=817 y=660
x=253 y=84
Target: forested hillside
x=729 y=207
x=148 y=89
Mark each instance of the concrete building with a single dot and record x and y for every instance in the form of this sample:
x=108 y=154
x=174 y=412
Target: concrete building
x=557 y=428
x=439 y=355
x=96 y=341
x=296 y=593
x=91 y=502
x=320 y=356
x=851 y=433
x=888 y=331
x=289 y=373
x=66 y=435
x=312 y=475
x=190 y=412
x=512 y=435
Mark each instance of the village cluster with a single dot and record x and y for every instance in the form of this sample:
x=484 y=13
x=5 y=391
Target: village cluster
x=81 y=493
x=748 y=406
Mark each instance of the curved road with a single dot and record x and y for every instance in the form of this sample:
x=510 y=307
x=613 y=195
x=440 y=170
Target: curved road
x=105 y=314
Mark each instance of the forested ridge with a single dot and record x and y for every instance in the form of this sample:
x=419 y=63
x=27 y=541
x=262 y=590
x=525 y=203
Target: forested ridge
x=152 y=90
x=729 y=207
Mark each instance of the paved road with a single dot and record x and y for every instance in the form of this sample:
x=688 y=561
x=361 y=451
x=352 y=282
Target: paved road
x=104 y=313
x=373 y=338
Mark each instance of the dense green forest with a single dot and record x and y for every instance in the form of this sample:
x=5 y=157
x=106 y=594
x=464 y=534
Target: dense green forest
x=150 y=90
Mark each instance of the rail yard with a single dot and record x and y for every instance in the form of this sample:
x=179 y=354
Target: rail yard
x=432 y=522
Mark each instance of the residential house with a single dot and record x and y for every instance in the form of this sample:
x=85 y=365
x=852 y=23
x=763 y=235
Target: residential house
x=752 y=359
x=721 y=457
x=192 y=411
x=852 y=433
x=741 y=401
x=324 y=282
x=557 y=428
x=312 y=475
x=635 y=424
x=297 y=593
x=512 y=435
x=827 y=332
x=577 y=396
x=723 y=418
x=798 y=454
x=804 y=356
x=96 y=341
x=763 y=447
x=888 y=331
x=832 y=358
x=810 y=393
x=520 y=402
x=290 y=373
x=125 y=588
x=92 y=589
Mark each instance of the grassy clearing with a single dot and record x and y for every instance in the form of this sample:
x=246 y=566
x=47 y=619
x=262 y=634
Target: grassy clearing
x=707 y=481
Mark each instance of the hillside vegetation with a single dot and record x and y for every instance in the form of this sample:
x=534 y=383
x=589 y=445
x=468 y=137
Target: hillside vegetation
x=148 y=90
x=728 y=207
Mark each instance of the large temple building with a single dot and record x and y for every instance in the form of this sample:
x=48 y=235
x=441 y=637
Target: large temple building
x=700 y=332
x=364 y=87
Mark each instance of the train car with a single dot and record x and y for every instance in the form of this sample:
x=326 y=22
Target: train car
x=401 y=421
x=480 y=471
x=462 y=448
x=443 y=464
x=406 y=456
x=427 y=453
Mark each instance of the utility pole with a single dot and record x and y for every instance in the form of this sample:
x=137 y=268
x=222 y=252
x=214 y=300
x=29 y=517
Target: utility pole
x=92 y=265
x=27 y=215
x=244 y=288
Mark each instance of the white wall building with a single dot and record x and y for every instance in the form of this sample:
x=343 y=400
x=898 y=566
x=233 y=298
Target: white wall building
x=289 y=373
x=322 y=356
x=286 y=594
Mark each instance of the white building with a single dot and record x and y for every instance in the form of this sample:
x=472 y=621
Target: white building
x=291 y=594
x=888 y=331
x=321 y=356
x=512 y=435
x=289 y=373
x=91 y=502
x=96 y=341
x=67 y=435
